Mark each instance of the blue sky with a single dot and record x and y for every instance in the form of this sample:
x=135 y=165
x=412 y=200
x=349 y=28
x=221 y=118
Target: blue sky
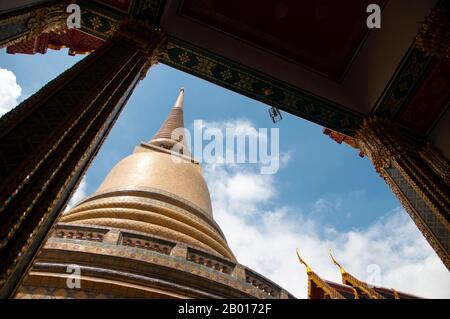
x=324 y=195
x=319 y=168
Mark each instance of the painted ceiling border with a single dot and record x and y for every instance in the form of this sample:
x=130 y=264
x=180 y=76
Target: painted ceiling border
x=403 y=83
x=254 y=84
x=338 y=80
x=101 y=22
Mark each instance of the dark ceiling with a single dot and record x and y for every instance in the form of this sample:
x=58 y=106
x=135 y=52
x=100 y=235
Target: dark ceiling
x=322 y=35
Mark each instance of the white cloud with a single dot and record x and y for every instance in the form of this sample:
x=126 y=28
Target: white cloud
x=249 y=187
x=80 y=193
x=9 y=91
x=285 y=158
x=263 y=233
x=323 y=205
x=239 y=191
x=238 y=141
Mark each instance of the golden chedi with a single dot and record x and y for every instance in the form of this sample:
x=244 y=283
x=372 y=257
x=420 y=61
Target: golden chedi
x=147 y=232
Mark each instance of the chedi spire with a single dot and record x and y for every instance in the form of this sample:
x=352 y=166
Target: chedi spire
x=171 y=133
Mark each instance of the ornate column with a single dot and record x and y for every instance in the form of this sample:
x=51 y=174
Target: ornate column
x=28 y=23
x=434 y=33
x=417 y=174
x=49 y=140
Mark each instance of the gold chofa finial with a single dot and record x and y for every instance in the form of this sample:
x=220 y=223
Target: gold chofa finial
x=308 y=269
x=396 y=296
x=337 y=264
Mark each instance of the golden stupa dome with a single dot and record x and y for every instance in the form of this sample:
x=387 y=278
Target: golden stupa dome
x=158 y=190
x=154 y=169
x=154 y=166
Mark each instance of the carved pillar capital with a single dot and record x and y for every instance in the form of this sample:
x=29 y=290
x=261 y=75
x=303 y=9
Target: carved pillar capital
x=51 y=18
x=434 y=32
x=417 y=174
x=381 y=141
x=29 y=23
x=436 y=161
x=150 y=40
x=143 y=35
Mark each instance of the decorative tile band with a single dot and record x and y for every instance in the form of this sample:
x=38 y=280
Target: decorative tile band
x=231 y=75
x=98 y=24
x=439 y=230
x=259 y=86
x=131 y=254
x=102 y=23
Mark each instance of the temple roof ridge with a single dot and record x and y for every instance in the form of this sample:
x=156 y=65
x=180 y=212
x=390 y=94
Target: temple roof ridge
x=348 y=279
x=323 y=284
x=351 y=287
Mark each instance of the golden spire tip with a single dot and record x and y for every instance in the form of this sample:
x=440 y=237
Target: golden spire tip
x=179 y=102
x=308 y=269
x=336 y=263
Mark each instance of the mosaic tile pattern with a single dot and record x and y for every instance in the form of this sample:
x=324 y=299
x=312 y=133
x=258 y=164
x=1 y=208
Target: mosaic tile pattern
x=431 y=220
x=259 y=86
x=178 y=262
